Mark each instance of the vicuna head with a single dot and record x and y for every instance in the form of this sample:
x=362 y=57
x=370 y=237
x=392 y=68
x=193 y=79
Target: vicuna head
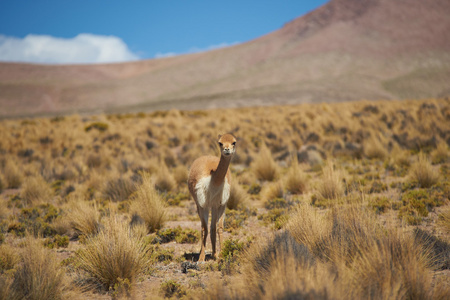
x=227 y=143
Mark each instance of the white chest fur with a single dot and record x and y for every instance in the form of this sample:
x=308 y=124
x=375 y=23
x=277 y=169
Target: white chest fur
x=210 y=195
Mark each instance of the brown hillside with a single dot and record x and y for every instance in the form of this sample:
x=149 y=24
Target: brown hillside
x=344 y=50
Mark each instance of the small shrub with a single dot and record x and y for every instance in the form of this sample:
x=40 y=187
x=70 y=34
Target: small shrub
x=175 y=199
x=161 y=255
x=121 y=289
x=148 y=205
x=264 y=165
x=231 y=248
x=171 y=288
x=277 y=217
x=181 y=236
x=380 y=204
x=100 y=126
x=254 y=189
x=113 y=255
x=36 y=220
x=277 y=203
x=414 y=206
x=57 y=242
x=235 y=219
x=377 y=187
x=423 y=173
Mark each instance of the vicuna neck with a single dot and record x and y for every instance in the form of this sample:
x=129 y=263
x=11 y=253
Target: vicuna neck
x=218 y=176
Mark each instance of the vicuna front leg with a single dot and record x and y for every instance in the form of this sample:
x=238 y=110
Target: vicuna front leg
x=203 y=214
x=217 y=215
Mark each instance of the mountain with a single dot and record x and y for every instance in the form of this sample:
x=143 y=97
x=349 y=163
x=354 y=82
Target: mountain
x=344 y=50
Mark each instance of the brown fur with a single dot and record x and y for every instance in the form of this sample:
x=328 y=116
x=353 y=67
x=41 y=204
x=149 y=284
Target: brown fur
x=205 y=166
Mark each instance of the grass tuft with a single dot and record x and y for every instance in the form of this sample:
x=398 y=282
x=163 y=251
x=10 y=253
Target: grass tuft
x=12 y=176
x=423 y=173
x=238 y=197
x=84 y=218
x=114 y=255
x=118 y=189
x=331 y=186
x=35 y=189
x=264 y=165
x=39 y=274
x=148 y=205
x=164 y=181
x=374 y=149
x=440 y=154
x=295 y=181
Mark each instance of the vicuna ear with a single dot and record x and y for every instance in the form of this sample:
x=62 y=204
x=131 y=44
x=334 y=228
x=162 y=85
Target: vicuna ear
x=219 y=136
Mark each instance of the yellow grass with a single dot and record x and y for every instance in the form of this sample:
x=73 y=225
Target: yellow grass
x=38 y=275
x=295 y=181
x=115 y=254
x=84 y=218
x=330 y=186
x=148 y=205
x=423 y=172
x=338 y=250
x=264 y=166
x=36 y=190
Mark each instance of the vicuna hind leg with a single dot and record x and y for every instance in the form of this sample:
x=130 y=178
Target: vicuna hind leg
x=203 y=214
x=217 y=217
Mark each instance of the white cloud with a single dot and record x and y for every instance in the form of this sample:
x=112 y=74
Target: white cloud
x=84 y=48
x=195 y=50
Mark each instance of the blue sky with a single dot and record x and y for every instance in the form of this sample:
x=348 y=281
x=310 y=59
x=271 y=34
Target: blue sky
x=96 y=31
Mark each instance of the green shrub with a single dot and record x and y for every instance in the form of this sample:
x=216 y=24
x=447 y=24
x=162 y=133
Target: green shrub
x=231 y=248
x=36 y=220
x=377 y=187
x=414 y=206
x=235 y=219
x=171 y=288
x=380 y=204
x=254 y=189
x=100 y=126
x=57 y=241
x=277 y=216
x=279 y=203
x=181 y=236
x=157 y=254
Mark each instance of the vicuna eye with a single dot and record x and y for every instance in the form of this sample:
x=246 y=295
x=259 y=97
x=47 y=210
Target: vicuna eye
x=220 y=144
x=234 y=144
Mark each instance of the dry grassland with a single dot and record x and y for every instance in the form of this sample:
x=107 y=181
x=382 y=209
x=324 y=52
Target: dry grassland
x=328 y=201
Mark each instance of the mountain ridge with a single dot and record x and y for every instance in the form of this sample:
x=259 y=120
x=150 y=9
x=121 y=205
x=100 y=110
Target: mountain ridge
x=343 y=50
